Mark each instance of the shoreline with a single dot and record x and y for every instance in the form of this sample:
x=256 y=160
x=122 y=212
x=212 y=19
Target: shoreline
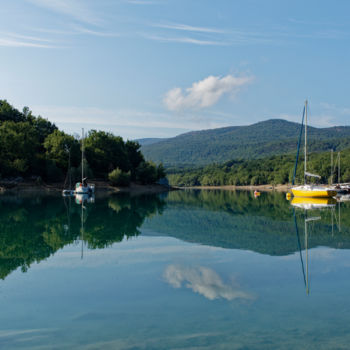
x=135 y=189
x=261 y=188
x=102 y=187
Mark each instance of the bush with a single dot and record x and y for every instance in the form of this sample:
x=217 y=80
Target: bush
x=119 y=178
x=147 y=173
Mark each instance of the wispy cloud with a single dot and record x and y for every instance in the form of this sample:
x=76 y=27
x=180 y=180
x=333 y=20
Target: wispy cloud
x=204 y=93
x=73 y=8
x=187 y=28
x=132 y=123
x=204 y=281
x=18 y=40
x=336 y=109
x=184 y=40
x=83 y=30
x=144 y=2
x=320 y=120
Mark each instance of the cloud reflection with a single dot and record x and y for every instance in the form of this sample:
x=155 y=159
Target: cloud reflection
x=204 y=281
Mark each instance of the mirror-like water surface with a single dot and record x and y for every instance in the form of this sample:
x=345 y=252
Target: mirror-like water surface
x=184 y=270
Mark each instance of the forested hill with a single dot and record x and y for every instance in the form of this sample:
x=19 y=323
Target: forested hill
x=33 y=148
x=263 y=139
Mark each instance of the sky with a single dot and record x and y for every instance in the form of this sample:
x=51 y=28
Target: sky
x=159 y=68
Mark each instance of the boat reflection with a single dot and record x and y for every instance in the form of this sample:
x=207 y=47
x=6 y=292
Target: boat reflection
x=312 y=206
x=313 y=203
x=81 y=198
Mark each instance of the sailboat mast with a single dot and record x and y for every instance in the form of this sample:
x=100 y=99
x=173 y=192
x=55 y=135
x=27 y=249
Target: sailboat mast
x=332 y=166
x=82 y=156
x=305 y=148
x=338 y=167
x=307 y=260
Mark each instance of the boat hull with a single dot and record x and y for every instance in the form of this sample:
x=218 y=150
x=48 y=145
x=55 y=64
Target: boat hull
x=314 y=193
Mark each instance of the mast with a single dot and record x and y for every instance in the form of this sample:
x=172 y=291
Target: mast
x=82 y=229
x=338 y=168
x=332 y=166
x=307 y=261
x=305 y=149
x=82 y=156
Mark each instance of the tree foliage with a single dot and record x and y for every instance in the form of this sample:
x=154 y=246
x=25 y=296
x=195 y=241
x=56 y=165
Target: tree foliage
x=33 y=146
x=273 y=170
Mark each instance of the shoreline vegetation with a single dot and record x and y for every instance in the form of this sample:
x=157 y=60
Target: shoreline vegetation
x=35 y=154
x=272 y=172
x=102 y=187
x=34 y=151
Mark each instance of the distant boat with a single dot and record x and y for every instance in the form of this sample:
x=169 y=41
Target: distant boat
x=310 y=190
x=83 y=187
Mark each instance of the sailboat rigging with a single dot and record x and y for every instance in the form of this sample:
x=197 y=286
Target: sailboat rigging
x=310 y=190
x=83 y=187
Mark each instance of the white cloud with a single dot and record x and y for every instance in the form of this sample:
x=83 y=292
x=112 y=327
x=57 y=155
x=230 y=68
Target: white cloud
x=204 y=93
x=184 y=40
x=12 y=42
x=189 y=28
x=335 y=109
x=72 y=8
x=130 y=123
x=203 y=281
x=319 y=121
x=143 y=2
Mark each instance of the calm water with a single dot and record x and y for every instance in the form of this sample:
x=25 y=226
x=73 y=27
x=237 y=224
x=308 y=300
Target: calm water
x=185 y=270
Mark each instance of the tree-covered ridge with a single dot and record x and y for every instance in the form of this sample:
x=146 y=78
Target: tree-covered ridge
x=260 y=140
x=34 y=147
x=271 y=170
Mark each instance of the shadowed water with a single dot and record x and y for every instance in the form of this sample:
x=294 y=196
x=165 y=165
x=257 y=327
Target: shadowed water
x=184 y=270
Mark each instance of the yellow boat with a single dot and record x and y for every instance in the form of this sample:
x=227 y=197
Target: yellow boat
x=313 y=203
x=312 y=191
x=309 y=190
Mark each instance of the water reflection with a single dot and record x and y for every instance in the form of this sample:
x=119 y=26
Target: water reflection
x=235 y=220
x=313 y=209
x=204 y=281
x=32 y=229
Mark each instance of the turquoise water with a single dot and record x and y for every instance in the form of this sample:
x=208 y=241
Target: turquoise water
x=185 y=270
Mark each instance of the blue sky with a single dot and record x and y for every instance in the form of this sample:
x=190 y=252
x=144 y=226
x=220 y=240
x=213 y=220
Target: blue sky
x=158 y=68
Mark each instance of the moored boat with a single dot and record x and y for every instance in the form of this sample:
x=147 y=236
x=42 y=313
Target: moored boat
x=83 y=187
x=310 y=190
x=313 y=191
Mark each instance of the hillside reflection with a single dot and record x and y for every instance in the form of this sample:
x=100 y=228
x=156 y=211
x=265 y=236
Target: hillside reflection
x=32 y=229
x=237 y=220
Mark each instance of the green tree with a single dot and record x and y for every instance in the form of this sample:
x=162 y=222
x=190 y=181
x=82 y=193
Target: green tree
x=119 y=178
x=57 y=146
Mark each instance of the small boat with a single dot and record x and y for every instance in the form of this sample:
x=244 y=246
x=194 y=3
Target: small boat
x=310 y=190
x=83 y=187
x=256 y=194
x=313 y=191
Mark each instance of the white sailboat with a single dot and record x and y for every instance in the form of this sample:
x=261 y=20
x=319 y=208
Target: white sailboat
x=83 y=188
x=310 y=190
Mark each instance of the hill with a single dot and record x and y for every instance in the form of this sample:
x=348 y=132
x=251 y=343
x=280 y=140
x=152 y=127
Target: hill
x=260 y=140
x=149 y=141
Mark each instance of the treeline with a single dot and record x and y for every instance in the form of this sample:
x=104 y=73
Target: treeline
x=273 y=170
x=33 y=147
